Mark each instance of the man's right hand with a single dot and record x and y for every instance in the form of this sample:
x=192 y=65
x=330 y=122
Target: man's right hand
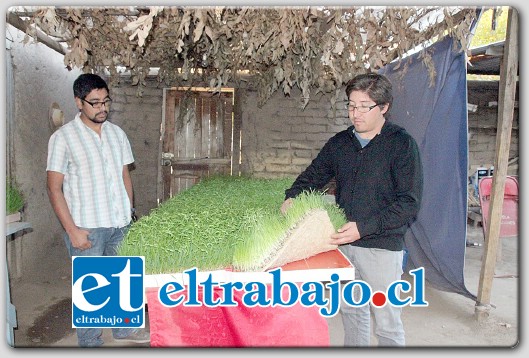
x=286 y=205
x=79 y=239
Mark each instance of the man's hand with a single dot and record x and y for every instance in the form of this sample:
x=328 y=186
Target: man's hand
x=286 y=205
x=79 y=239
x=346 y=234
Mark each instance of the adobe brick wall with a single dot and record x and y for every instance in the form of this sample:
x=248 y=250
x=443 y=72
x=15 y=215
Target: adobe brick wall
x=140 y=118
x=281 y=138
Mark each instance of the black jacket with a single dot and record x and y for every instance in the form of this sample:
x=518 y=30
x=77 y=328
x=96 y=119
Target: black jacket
x=378 y=186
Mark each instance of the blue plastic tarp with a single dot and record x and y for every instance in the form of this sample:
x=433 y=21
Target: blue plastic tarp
x=436 y=116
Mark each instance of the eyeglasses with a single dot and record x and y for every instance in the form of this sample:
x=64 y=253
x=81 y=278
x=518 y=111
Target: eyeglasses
x=98 y=105
x=361 y=109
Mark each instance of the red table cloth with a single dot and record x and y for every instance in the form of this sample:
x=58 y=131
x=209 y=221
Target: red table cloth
x=242 y=326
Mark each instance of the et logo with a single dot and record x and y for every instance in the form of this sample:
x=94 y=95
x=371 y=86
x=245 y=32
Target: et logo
x=108 y=292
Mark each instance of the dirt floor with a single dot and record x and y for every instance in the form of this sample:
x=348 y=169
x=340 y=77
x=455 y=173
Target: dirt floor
x=44 y=308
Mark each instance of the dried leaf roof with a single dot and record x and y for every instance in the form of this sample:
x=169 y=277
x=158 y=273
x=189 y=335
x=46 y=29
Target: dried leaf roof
x=316 y=49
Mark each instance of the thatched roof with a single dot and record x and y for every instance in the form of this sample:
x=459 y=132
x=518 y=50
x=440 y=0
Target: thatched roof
x=316 y=49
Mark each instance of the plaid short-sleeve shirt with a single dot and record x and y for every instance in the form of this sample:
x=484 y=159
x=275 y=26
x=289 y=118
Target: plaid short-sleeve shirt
x=93 y=172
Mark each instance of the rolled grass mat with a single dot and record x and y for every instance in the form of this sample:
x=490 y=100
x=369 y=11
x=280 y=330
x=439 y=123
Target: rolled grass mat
x=307 y=237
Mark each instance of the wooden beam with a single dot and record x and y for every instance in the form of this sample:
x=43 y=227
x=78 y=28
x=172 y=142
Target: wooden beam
x=20 y=24
x=237 y=133
x=507 y=93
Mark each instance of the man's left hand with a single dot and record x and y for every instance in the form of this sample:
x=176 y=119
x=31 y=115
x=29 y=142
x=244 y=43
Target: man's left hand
x=346 y=234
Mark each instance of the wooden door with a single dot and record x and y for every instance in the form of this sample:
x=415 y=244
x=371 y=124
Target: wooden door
x=198 y=136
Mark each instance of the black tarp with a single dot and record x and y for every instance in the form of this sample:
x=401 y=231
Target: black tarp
x=436 y=116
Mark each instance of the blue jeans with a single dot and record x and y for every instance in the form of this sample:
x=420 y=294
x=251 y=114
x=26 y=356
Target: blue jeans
x=379 y=268
x=105 y=242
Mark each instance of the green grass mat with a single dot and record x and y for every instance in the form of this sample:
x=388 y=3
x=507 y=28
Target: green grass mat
x=218 y=223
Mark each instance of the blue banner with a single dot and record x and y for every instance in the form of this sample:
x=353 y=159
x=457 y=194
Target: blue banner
x=436 y=116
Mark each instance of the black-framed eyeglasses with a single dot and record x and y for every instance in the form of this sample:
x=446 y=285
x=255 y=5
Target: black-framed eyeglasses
x=99 y=105
x=361 y=109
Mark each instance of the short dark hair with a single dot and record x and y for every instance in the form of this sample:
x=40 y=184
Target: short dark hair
x=85 y=83
x=377 y=87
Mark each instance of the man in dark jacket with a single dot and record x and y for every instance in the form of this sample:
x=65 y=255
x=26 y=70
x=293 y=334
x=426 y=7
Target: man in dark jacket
x=379 y=180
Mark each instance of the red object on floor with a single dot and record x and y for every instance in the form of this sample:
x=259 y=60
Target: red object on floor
x=242 y=326
x=509 y=215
